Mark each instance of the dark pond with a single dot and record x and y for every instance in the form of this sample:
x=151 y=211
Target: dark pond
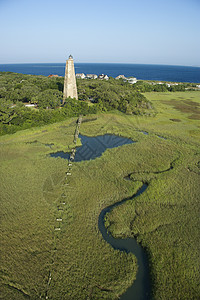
x=93 y=147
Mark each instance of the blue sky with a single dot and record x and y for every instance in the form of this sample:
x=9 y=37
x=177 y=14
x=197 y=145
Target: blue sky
x=128 y=31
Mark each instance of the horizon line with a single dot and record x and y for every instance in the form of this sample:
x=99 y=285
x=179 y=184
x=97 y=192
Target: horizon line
x=128 y=63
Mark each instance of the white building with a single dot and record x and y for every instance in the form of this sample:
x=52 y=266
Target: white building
x=80 y=75
x=121 y=77
x=91 y=76
x=30 y=105
x=106 y=77
x=132 y=80
x=103 y=76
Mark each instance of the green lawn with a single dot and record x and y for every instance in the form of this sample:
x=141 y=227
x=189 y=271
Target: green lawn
x=165 y=218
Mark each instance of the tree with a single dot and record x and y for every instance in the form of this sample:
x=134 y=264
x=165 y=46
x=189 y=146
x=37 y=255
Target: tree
x=7 y=112
x=48 y=99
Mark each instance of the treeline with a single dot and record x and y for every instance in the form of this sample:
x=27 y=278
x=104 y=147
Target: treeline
x=46 y=93
x=113 y=94
x=86 y=87
x=40 y=90
x=142 y=86
x=19 y=117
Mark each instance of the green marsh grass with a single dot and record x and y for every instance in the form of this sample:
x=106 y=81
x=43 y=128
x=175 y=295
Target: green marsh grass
x=164 y=219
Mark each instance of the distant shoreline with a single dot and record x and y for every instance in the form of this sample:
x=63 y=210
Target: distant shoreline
x=142 y=71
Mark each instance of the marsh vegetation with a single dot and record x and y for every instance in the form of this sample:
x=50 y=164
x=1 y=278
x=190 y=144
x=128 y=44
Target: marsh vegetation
x=164 y=219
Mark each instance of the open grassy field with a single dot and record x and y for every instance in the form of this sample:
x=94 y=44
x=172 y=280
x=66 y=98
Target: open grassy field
x=75 y=260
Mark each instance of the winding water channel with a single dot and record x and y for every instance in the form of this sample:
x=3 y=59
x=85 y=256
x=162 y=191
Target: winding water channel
x=140 y=289
x=91 y=148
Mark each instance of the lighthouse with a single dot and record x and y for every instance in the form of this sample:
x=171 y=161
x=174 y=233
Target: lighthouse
x=70 y=88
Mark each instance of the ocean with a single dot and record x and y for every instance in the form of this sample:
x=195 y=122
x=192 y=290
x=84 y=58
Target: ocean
x=140 y=71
